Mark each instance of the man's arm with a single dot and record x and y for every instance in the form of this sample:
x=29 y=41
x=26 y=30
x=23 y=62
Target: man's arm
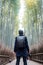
x=27 y=44
x=15 y=44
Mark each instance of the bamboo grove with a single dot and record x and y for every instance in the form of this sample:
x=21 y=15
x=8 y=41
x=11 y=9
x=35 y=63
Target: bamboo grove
x=32 y=21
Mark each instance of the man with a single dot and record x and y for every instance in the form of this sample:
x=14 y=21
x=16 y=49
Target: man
x=21 y=48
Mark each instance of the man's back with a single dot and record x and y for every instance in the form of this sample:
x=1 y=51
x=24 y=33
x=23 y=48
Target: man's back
x=24 y=50
x=21 y=41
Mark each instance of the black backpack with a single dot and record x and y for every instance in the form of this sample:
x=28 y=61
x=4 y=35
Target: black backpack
x=20 y=41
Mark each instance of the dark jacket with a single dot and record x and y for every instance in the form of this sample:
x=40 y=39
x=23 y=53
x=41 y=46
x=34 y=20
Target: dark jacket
x=21 y=52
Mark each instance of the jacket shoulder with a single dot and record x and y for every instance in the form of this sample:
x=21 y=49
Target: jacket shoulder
x=25 y=37
x=15 y=37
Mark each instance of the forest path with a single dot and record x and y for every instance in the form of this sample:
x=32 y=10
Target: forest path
x=21 y=62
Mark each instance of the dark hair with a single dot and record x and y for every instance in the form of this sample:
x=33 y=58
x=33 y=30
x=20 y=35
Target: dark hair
x=20 y=32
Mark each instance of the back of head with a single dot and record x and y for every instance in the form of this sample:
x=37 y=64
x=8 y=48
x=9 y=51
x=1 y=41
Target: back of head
x=21 y=32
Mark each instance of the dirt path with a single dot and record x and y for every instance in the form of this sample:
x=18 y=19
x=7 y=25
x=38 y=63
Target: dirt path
x=21 y=63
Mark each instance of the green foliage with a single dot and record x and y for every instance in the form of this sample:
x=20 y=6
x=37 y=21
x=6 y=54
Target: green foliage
x=33 y=20
x=9 y=21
